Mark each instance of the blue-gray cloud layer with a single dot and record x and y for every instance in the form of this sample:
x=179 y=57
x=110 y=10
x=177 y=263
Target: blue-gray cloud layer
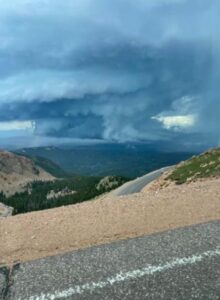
x=112 y=70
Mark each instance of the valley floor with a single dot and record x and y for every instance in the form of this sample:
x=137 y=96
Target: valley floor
x=107 y=219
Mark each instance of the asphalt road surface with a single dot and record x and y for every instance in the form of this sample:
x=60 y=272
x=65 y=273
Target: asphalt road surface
x=135 y=186
x=178 y=264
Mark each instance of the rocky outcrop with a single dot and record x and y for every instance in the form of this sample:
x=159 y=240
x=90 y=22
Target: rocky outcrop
x=5 y=211
x=109 y=183
x=63 y=193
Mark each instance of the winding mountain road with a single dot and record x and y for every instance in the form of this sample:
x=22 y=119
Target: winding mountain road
x=135 y=186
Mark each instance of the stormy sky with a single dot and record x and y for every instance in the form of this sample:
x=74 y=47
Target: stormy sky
x=114 y=71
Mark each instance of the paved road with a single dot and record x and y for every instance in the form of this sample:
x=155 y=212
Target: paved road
x=135 y=186
x=3 y=281
x=179 y=264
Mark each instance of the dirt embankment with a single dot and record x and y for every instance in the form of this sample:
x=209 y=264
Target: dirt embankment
x=107 y=219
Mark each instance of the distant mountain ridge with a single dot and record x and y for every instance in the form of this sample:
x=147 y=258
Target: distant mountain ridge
x=131 y=160
x=46 y=164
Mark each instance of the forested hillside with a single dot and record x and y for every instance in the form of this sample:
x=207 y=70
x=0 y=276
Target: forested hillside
x=44 y=195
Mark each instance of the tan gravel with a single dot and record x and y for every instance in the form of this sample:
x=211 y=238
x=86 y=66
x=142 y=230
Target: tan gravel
x=39 y=234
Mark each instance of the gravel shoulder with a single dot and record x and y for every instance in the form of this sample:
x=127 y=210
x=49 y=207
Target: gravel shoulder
x=107 y=219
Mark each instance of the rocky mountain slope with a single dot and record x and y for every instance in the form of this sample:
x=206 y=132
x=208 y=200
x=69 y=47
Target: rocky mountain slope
x=16 y=171
x=205 y=165
x=33 y=183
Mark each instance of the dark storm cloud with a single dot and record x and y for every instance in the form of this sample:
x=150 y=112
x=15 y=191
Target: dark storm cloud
x=113 y=70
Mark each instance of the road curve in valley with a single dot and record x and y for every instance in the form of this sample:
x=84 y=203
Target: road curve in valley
x=135 y=186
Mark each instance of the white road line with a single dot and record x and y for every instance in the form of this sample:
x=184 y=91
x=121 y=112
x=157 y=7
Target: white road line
x=120 y=277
